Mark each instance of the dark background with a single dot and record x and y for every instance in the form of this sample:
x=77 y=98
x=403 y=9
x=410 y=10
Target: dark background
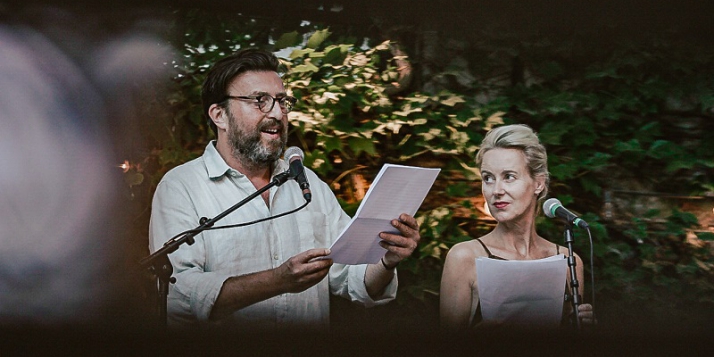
x=80 y=26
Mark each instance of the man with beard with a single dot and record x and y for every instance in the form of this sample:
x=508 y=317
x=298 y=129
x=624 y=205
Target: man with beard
x=263 y=276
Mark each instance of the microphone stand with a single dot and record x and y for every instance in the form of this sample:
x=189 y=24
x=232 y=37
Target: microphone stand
x=575 y=300
x=158 y=263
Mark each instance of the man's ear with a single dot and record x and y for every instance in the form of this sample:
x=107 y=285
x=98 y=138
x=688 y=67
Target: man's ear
x=218 y=116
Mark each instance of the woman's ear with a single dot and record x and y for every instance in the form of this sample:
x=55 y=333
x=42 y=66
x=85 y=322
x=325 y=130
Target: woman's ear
x=218 y=116
x=539 y=184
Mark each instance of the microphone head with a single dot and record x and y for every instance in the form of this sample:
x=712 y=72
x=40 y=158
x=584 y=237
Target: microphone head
x=548 y=206
x=292 y=152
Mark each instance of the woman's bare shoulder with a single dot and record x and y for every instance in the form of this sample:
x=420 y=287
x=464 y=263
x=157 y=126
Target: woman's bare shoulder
x=467 y=250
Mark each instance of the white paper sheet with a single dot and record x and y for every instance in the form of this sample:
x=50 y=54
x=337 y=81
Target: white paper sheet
x=522 y=292
x=397 y=189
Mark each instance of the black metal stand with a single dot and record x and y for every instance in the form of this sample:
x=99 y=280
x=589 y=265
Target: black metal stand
x=572 y=263
x=158 y=263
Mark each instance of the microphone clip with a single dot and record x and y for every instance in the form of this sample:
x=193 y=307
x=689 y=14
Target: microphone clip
x=281 y=178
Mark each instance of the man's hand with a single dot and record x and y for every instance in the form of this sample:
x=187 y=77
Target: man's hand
x=295 y=275
x=303 y=270
x=399 y=247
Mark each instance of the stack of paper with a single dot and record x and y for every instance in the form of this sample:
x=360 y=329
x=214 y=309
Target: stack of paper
x=397 y=189
x=522 y=292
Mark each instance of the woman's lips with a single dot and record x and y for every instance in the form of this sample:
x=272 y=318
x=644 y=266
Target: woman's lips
x=500 y=205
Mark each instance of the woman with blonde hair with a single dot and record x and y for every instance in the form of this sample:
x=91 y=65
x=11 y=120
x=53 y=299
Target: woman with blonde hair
x=514 y=172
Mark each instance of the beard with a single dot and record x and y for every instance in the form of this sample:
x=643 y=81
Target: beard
x=247 y=145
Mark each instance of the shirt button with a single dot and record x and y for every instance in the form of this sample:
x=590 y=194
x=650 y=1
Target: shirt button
x=275 y=257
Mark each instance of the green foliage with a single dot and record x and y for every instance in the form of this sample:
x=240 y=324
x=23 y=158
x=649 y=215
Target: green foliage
x=667 y=257
x=631 y=112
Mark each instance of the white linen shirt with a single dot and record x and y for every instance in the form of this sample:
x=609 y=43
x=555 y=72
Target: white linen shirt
x=207 y=186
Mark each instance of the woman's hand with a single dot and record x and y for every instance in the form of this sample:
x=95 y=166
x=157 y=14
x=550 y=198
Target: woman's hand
x=586 y=314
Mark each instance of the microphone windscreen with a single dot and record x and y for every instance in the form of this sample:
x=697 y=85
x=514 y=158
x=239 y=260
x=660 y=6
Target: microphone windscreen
x=292 y=152
x=548 y=207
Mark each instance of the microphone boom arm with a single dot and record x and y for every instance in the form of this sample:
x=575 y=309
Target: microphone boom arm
x=158 y=263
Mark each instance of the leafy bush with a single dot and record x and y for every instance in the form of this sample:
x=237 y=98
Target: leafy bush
x=632 y=116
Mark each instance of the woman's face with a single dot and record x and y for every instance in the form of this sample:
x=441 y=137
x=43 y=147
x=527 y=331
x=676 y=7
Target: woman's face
x=509 y=190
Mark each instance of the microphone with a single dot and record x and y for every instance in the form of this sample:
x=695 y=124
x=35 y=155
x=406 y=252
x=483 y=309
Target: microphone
x=294 y=156
x=553 y=208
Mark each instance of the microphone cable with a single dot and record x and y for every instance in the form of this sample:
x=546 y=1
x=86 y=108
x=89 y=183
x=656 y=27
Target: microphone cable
x=261 y=219
x=592 y=275
x=202 y=220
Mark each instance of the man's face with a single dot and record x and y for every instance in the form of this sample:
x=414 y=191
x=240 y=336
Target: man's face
x=256 y=136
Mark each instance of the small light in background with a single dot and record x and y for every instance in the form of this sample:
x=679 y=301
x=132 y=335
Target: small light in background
x=125 y=166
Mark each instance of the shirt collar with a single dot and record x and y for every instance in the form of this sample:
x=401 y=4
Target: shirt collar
x=217 y=167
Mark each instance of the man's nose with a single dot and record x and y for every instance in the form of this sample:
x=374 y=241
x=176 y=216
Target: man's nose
x=276 y=112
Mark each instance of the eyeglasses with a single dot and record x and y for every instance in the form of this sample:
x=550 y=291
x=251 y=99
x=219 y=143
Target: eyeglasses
x=266 y=102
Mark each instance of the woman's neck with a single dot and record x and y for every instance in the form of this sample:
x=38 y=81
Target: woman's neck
x=518 y=239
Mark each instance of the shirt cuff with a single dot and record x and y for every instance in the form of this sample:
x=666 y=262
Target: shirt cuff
x=358 y=289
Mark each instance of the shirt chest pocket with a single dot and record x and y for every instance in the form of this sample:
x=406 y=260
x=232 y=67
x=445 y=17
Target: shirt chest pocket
x=313 y=230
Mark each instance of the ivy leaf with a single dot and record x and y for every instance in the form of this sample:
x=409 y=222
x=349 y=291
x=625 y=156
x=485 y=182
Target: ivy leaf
x=494 y=120
x=453 y=100
x=300 y=53
x=591 y=185
x=318 y=161
x=360 y=144
x=336 y=55
x=551 y=133
x=661 y=149
x=331 y=143
x=317 y=38
x=628 y=146
x=563 y=171
x=707 y=236
x=307 y=67
x=288 y=39
x=684 y=162
x=460 y=189
x=597 y=160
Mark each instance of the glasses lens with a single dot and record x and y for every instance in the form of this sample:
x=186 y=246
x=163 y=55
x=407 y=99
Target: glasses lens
x=265 y=103
x=288 y=103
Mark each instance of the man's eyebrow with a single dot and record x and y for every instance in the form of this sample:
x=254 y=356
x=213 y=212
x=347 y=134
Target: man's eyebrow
x=277 y=95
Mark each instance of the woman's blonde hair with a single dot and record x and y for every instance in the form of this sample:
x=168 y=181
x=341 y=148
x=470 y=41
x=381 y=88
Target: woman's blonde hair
x=521 y=137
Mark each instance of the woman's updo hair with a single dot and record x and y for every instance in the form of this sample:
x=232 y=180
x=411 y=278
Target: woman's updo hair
x=522 y=137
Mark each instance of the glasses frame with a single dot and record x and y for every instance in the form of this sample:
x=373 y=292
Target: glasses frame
x=282 y=101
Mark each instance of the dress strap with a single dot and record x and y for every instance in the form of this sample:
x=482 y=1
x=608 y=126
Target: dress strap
x=485 y=248
x=557 y=249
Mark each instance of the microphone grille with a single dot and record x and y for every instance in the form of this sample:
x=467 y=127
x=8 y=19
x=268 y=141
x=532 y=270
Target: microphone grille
x=548 y=207
x=293 y=151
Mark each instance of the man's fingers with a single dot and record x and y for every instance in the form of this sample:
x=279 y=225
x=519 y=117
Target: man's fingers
x=314 y=253
x=409 y=221
x=394 y=239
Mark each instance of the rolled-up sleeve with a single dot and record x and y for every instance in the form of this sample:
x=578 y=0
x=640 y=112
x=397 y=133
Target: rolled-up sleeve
x=348 y=281
x=193 y=294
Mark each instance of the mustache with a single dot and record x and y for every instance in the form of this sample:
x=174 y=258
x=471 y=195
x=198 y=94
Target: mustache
x=270 y=124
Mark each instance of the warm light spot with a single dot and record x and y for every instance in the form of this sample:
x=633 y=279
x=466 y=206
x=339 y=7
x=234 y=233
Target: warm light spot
x=125 y=166
x=485 y=208
x=338 y=160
